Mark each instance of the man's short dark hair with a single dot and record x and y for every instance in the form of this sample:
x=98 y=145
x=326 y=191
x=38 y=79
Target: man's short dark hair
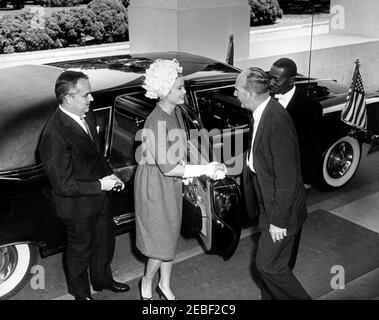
x=257 y=80
x=288 y=65
x=66 y=82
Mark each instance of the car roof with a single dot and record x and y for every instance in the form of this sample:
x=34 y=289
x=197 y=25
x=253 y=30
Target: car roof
x=128 y=69
x=35 y=81
x=27 y=100
x=27 y=97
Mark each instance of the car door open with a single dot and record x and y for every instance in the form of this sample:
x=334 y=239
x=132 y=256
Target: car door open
x=211 y=209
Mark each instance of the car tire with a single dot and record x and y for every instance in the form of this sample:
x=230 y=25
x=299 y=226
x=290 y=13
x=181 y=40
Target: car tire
x=340 y=162
x=15 y=264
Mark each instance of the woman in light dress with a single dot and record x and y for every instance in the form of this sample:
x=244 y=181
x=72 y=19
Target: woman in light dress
x=158 y=180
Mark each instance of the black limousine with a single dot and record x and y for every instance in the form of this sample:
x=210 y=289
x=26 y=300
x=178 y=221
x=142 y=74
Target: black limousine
x=213 y=210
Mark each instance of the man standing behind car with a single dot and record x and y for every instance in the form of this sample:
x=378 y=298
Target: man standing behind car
x=306 y=114
x=272 y=163
x=80 y=179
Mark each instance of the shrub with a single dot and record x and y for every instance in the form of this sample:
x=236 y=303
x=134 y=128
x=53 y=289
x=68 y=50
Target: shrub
x=264 y=12
x=101 y=21
x=125 y=3
x=16 y=34
x=69 y=3
x=113 y=16
x=76 y=26
x=58 y=3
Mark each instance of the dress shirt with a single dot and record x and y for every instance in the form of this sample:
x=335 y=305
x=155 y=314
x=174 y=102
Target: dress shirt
x=257 y=114
x=76 y=118
x=284 y=99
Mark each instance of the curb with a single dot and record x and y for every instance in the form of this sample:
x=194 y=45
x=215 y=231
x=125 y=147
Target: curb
x=284 y=28
x=64 y=53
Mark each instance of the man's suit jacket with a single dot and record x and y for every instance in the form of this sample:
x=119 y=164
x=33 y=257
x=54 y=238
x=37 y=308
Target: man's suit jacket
x=306 y=114
x=74 y=165
x=279 y=193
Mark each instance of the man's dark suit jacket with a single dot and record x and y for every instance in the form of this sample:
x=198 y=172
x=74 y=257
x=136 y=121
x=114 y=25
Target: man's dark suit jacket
x=280 y=193
x=306 y=114
x=73 y=163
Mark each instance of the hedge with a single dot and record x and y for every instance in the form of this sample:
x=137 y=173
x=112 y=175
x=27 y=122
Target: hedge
x=69 y=3
x=100 y=21
x=264 y=12
x=113 y=17
x=58 y=3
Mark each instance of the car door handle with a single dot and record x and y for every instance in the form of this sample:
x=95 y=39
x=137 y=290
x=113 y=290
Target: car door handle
x=138 y=121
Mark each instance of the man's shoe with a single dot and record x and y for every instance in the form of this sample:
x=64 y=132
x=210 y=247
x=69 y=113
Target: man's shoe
x=85 y=298
x=115 y=287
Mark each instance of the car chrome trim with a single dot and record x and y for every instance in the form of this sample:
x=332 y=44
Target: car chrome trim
x=14 y=243
x=336 y=108
x=213 y=88
x=372 y=100
x=23 y=174
x=339 y=107
x=124 y=218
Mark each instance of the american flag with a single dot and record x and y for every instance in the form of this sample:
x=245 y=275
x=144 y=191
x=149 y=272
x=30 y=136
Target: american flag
x=355 y=113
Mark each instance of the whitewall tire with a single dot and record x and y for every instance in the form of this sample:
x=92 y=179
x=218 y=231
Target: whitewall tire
x=15 y=264
x=341 y=161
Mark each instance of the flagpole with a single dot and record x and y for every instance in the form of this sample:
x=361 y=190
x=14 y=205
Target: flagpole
x=311 y=43
x=357 y=63
x=310 y=51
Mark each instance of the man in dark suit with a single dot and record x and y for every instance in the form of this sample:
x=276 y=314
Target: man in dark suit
x=272 y=164
x=306 y=114
x=80 y=179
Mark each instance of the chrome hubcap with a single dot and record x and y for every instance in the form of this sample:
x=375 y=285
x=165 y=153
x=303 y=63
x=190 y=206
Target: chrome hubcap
x=340 y=160
x=8 y=262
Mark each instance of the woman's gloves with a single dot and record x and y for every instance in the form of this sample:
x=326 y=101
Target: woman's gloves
x=213 y=170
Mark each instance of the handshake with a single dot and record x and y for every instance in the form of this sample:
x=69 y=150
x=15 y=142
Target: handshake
x=213 y=170
x=112 y=182
x=217 y=171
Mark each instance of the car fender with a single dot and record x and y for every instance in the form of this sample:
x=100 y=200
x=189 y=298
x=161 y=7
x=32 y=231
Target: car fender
x=20 y=229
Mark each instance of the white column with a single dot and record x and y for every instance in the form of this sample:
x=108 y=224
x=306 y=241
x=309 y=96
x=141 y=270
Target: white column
x=196 y=26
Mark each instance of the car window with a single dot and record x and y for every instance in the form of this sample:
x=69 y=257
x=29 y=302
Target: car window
x=129 y=117
x=198 y=139
x=123 y=144
x=103 y=121
x=220 y=109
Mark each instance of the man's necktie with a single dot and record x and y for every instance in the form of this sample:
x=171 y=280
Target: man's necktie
x=87 y=127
